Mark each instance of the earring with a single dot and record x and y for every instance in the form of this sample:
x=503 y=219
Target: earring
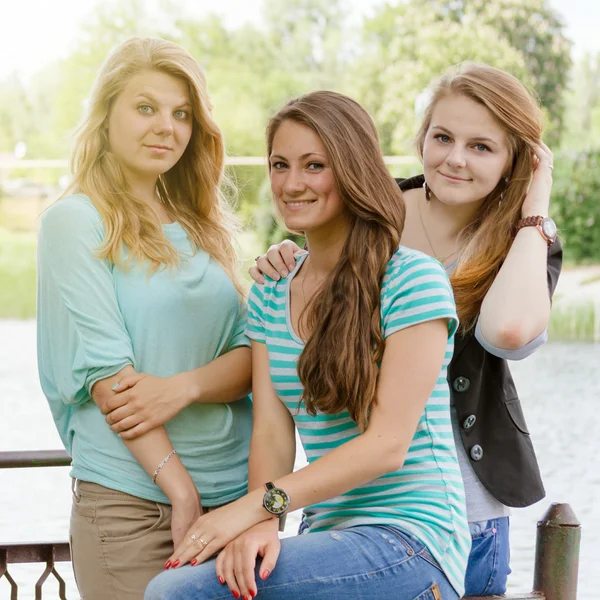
x=505 y=179
x=427 y=191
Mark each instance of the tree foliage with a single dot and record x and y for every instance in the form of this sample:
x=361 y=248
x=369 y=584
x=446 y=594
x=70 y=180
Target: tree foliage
x=386 y=62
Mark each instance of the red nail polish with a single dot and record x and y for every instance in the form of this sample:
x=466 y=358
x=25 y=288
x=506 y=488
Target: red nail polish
x=265 y=574
x=252 y=593
x=175 y=564
x=167 y=564
x=236 y=595
x=194 y=563
x=221 y=580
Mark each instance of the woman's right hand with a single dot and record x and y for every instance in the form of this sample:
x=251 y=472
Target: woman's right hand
x=184 y=514
x=278 y=262
x=235 y=564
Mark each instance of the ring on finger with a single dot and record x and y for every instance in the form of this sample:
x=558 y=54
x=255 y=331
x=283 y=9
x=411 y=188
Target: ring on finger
x=196 y=539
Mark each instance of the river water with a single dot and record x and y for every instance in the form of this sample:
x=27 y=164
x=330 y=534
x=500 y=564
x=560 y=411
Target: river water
x=559 y=387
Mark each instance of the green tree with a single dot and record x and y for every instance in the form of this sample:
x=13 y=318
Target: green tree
x=408 y=47
x=410 y=44
x=582 y=118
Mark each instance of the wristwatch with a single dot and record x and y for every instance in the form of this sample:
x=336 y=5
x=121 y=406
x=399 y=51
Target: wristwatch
x=275 y=500
x=545 y=225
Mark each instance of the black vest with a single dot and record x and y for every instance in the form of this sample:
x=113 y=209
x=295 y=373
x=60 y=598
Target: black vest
x=490 y=417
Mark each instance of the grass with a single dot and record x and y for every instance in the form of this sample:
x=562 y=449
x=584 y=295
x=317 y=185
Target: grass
x=576 y=322
x=17 y=274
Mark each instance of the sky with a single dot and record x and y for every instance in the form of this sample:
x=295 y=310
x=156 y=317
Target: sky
x=36 y=32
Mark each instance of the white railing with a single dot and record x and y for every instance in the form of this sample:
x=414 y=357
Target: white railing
x=15 y=163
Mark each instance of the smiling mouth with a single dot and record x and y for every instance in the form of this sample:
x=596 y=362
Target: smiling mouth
x=453 y=178
x=299 y=203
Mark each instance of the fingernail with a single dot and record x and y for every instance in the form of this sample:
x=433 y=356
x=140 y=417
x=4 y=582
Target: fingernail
x=193 y=563
x=167 y=564
x=221 y=580
x=265 y=574
x=252 y=593
x=114 y=387
x=284 y=273
x=235 y=594
x=291 y=266
x=277 y=278
x=175 y=564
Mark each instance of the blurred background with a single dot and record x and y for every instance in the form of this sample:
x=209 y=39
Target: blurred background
x=256 y=55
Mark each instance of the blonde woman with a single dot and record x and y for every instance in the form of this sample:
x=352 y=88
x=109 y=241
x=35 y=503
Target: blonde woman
x=142 y=352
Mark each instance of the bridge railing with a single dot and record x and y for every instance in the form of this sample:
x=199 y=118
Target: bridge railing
x=556 y=558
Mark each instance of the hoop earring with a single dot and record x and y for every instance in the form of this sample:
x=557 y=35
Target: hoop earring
x=427 y=191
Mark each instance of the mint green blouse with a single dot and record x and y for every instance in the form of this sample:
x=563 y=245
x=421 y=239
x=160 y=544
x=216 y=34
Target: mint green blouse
x=95 y=318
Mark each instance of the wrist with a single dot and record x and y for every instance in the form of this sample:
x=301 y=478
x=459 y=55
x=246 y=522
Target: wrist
x=191 y=388
x=182 y=494
x=534 y=212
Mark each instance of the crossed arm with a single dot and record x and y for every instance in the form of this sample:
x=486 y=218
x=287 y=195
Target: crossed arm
x=142 y=402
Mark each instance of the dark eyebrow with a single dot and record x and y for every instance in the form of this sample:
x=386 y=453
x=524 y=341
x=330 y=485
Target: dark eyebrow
x=149 y=96
x=301 y=158
x=475 y=139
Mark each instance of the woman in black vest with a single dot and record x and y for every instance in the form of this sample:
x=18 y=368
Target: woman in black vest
x=481 y=208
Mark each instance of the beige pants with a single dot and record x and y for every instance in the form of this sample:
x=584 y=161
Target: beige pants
x=118 y=542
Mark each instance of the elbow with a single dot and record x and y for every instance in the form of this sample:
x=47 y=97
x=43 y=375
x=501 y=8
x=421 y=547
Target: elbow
x=393 y=457
x=514 y=336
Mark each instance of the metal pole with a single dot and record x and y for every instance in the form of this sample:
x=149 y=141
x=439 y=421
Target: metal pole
x=34 y=458
x=557 y=554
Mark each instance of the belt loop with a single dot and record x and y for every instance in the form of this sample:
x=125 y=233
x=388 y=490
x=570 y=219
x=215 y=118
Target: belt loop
x=74 y=486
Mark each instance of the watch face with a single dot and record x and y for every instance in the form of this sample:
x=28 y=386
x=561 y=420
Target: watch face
x=276 y=501
x=549 y=228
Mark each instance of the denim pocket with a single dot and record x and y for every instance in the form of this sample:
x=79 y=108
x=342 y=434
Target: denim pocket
x=412 y=545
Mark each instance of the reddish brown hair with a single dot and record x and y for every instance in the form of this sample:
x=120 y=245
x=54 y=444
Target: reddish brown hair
x=487 y=239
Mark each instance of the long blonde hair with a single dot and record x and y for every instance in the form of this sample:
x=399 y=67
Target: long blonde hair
x=488 y=238
x=190 y=190
x=338 y=365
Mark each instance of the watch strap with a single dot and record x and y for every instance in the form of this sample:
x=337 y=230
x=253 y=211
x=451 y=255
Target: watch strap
x=534 y=221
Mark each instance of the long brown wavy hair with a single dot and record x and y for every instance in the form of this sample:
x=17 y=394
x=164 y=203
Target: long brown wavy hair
x=486 y=240
x=190 y=190
x=338 y=366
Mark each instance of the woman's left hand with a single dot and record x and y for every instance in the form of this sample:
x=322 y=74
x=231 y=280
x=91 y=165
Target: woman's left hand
x=143 y=402
x=216 y=528
x=537 y=201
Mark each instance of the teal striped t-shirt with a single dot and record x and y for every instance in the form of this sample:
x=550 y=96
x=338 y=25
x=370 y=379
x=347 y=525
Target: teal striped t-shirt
x=425 y=497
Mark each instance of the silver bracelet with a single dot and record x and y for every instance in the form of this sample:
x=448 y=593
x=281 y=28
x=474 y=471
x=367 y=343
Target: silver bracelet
x=162 y=463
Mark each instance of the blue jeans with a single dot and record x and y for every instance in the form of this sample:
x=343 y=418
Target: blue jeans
x=488 y=567
x=364 y=562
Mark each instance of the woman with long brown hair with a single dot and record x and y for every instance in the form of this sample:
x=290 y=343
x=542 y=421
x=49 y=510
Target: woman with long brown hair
x=481 y=208
x=141 y=322
x=352 y=349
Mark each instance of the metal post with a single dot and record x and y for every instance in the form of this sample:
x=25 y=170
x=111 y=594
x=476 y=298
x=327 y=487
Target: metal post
x=557 y=554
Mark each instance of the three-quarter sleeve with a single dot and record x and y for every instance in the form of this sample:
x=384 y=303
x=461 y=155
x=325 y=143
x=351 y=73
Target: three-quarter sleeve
x=81 y=334
x=239 y=339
